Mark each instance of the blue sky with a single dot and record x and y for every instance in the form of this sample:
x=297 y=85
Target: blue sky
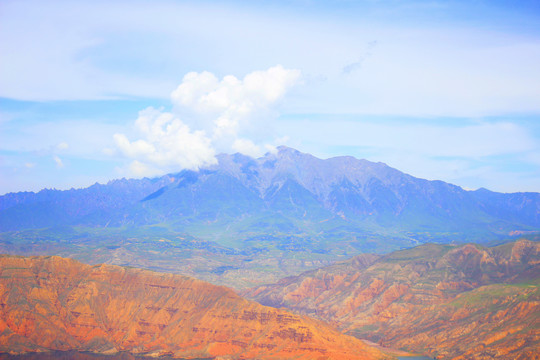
x=97 y=90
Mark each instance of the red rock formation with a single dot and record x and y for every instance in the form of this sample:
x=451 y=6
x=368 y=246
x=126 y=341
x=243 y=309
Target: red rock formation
x=462 y=302
x=60 y=304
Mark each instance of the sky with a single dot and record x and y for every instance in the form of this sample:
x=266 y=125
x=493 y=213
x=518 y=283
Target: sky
x=92 y=91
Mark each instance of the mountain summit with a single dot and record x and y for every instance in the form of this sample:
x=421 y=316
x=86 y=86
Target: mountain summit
x=286 y=190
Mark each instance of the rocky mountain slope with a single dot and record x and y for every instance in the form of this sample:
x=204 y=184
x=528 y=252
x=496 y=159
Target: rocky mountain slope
x=245 y=222
x=313 y=200
x=449 y=301
x=60 y=304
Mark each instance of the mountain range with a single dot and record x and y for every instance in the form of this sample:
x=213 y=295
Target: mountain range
x=288 y=192
x=245 y=222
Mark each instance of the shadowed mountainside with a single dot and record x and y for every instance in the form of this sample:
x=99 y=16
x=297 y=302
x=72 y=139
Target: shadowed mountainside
x=52 y=303
x=453 y=302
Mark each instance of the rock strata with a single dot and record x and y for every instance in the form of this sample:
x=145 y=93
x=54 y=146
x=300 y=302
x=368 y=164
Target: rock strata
x=448 y=301
x=53 y=303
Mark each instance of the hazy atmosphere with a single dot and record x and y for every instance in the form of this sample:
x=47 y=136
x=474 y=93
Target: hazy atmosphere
x=94 y=90
x=270 y=180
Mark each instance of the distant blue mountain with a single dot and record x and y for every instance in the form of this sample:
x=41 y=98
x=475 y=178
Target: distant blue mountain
x=282 y=195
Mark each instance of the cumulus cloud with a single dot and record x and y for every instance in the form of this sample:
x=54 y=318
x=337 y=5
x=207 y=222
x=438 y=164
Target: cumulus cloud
x=247 y=147
x=224 y=108
x=168 y=145
x=209 y=115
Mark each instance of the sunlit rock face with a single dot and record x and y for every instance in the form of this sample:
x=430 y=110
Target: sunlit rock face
x=449 y=301
x=53 y=303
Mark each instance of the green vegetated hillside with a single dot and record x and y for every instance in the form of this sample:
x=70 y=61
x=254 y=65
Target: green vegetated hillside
x=449 y=301
x=156 y=248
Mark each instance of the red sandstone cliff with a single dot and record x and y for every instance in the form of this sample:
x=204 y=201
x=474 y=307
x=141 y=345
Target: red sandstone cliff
x=453 y=302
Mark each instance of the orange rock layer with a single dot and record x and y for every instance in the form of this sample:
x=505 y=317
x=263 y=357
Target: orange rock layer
x=52 y=303
x=453 y=302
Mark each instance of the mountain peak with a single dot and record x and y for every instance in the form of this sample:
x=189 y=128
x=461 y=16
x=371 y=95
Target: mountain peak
x=357 y=191
x=283 y=149
x=288 y=153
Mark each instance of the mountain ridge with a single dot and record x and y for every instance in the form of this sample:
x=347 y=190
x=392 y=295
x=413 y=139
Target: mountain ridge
x=449 y=301
x=358 y=194
x=245 y=221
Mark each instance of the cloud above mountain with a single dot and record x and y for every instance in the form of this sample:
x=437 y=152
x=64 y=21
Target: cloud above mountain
x=209 y=116
x=225 y=108
x=167 y=144
x=375 y=76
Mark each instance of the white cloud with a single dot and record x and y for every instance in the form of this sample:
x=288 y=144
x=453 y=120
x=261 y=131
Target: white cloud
x=247 y=147
x=479 y=68
x=58 y=161
x=140 y=169
x=62 y=146
x=210 y=115
x=225 y=107
x=168 y=145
